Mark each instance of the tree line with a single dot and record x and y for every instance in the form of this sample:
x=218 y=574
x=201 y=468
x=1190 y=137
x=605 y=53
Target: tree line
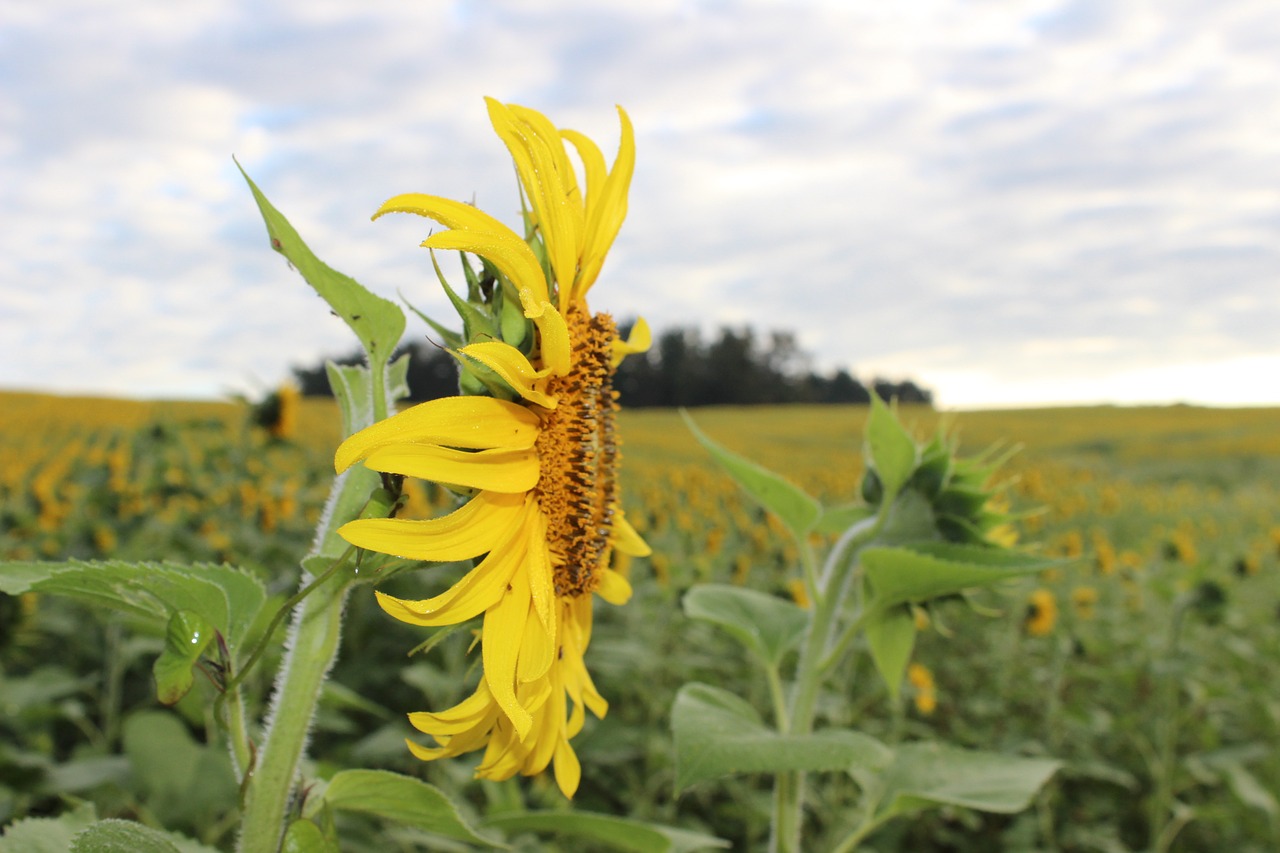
x=682 y=368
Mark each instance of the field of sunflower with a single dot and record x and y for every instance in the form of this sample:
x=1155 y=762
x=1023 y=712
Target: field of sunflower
x=1146 y=663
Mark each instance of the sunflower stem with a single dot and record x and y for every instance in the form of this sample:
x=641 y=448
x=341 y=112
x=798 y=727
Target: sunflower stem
x=311 y=650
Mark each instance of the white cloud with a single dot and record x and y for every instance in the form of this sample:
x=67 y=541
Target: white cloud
x=963 y=194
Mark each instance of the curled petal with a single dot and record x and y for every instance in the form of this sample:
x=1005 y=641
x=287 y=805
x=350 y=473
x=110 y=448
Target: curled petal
x=477 y=527
x=511 y=364
x=638 y=341
x=508 y=471
x=466 y=422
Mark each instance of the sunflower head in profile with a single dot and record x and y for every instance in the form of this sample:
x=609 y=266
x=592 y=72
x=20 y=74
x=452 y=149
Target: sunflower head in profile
x=532 y=440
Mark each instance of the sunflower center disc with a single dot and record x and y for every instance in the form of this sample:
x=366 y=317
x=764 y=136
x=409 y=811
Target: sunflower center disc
x=578 y=452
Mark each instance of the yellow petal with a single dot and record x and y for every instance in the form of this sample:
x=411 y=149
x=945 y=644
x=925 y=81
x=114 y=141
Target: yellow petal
x=468 y=422
x=537 y=651
x=638 y=341
x=507 y=471
x=626 y=539
x=500 y=649
x=553 y=333
x=508 y=253
x=606 y=211
x=478 y=590
x=541 y=584
x=592 y=162
x=568 y=769
x=509 y=363
x=475 y=528
x=613 y=588
x=458 y=718
x=536 y=163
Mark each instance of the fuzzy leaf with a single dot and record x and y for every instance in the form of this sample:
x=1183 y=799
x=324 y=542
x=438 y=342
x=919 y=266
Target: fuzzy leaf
x=186 y=637
x=613 y=832
x=717 y=734
x=768 y=626
x=398 y=798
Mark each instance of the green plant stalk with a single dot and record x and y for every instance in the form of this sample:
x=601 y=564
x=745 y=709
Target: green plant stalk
x=788 y=792
x=1162 y=826
x=313 y=645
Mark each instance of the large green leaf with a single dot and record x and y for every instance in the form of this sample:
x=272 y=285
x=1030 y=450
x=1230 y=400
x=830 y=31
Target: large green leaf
x=394 y=797
x=717 y=734
x=797 y=510
x=226 y=598
x=125 y=836
x=183 y=783
x=305 y=836
x=767 y=625
x=377 y=322
x=889 y=448
x=929 y=570
x=47 y=834
x=927 y=775
x=615 y=832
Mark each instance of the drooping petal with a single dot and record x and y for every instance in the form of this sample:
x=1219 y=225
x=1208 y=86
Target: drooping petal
x=511 y=364
x=606 y=211
x=508 y=471
x=537 y=651
x=488 y=236
x=541 y=583
x=638 y=341
x=500 y=650
x=475 y=528
x=553 y=333
x=567 y=768
x=461 y=716
x=613 y=588
x=465 y=422
x=626 y=539
x=477 y=591
x=592 y=163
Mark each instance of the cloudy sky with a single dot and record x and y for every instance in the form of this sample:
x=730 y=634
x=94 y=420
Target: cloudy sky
x=1011 y=202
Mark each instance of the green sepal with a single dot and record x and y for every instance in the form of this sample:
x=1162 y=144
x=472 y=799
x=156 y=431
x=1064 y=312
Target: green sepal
x=476 y=324
x=186 y=637
x=377 y=322
x=718 y=734
x=448 y=336
x=888 y=447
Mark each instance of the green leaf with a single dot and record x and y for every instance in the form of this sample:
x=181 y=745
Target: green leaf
x=186 y=637
x=377 y=322
x=927 y=775
x=928 y=570
x=47 y=834
x=797 y=510
x=889 y=448
x=718 y=734
x=394 y=797
x=768 y=626
x=304 y=836
x=122 y=836
x=891 y=634
x=616 y=832
x=184 y=783
x=226 y=598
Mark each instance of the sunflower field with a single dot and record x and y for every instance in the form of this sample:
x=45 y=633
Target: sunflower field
x=1146 y=661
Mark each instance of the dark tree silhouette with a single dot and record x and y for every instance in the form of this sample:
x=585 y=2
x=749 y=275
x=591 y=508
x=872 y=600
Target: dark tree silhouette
x=680 y=369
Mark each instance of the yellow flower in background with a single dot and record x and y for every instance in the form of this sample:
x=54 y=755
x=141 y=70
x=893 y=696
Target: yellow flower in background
x=926 y=689
x=545 y=515
x=1085 y=601
x=1042 y=613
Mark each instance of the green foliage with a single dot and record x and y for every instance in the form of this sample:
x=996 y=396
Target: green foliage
x=766 y=625
x=124 y=836
x=890 y=451
x=717 y=734
x=187 y=785
x=185 y=639
x=377 y=322
x=614 y=833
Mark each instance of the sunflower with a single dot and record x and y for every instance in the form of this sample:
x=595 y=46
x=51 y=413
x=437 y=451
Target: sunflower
x=539 y=459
